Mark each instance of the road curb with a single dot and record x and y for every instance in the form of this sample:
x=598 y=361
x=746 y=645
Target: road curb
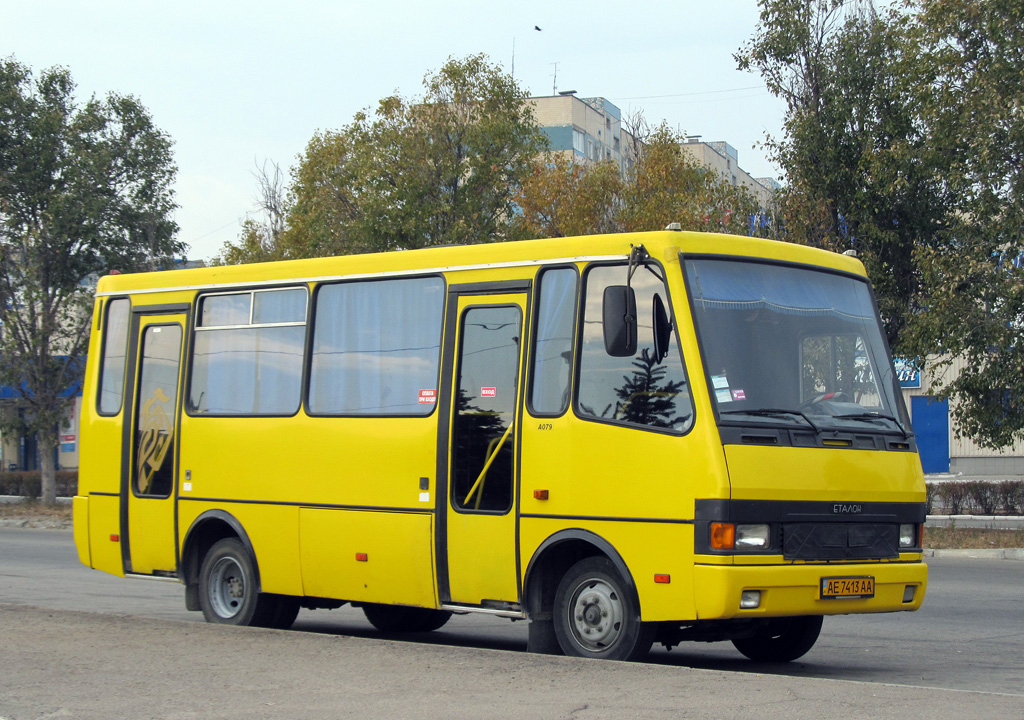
x=993 y=554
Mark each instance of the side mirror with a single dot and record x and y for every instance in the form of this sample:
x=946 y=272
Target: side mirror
x=662 y=329
x=619 y=321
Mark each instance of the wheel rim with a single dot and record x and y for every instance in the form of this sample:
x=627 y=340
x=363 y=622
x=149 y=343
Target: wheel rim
x=595 y=615
x=227 y=587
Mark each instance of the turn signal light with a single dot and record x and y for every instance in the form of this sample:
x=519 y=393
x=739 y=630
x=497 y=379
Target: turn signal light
x=723 y=536
x=361 y=557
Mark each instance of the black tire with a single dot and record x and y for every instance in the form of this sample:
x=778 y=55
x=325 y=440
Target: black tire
x=404 y=619
x=596 y=617
x=227 y=587
x=783 y=640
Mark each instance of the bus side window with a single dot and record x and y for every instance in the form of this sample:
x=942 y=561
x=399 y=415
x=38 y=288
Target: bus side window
x=552 y=350
x=115 y=346
x=637 y=390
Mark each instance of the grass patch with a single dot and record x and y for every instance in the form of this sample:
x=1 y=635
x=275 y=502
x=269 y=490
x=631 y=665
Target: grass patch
x=940 y=538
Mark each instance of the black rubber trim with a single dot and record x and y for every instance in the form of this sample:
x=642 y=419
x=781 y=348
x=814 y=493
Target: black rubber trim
x=777 y=512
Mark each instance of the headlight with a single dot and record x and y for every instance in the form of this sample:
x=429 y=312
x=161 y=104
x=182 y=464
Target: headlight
x=908 y=535
x=727 y=536
x=750 y=537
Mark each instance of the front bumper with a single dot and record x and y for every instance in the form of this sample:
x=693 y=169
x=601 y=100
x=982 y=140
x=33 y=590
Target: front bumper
x=796 y=589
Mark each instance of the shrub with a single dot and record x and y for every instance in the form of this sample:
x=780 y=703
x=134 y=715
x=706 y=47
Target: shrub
x=29 y=483
x=1011 y=496
x=983 y=496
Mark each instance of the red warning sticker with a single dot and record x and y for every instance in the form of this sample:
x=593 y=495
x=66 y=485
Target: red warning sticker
x=489 y=392
x=428 y=396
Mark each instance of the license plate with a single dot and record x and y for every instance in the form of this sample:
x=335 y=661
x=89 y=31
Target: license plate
x=833 y=588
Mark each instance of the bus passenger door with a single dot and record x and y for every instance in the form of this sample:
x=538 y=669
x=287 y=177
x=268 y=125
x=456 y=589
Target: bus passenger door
x=479 y=443
x=148 y=470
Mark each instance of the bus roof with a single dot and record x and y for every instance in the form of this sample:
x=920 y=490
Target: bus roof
x=661 y=245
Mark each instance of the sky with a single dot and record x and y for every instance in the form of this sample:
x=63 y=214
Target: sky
x=236 y=84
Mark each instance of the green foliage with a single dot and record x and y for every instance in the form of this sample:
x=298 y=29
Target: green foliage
x=904 y=140
x=435 y=171
x=974 y=114
x=84 y=189
x=861 y=175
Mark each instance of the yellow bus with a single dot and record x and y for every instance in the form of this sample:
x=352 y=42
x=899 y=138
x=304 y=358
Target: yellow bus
x=623 y=439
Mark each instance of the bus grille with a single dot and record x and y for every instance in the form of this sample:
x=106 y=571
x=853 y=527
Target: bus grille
x=840 y=541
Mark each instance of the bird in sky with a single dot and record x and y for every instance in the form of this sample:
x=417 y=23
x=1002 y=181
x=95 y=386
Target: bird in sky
x=537 y=28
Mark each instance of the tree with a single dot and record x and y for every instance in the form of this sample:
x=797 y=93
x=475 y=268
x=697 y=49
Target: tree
x=861 y=173
x=562 y=197
x=663 y=184
x=973 y=295
x=84 y=189
x=260 y=239
x=413 y=174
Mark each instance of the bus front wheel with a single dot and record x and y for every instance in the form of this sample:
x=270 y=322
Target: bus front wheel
x=782 y=640
x=227 y=587
x=596 y=617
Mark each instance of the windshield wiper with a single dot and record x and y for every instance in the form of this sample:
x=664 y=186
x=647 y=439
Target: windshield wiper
x=772 y=412
x=873 y=416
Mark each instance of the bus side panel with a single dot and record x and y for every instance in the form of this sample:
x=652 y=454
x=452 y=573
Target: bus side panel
x=271 y=529
x=104 y=523
x=648 y=549
x=80 y=515
x=367 y=556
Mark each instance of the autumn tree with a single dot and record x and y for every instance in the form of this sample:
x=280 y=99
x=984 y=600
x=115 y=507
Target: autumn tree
x=85 y=188
x=662 y=184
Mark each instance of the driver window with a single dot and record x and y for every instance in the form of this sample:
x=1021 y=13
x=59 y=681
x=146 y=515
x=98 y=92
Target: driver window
x=645 y=389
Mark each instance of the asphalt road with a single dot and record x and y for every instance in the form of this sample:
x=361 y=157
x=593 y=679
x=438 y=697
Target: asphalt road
x=967 y=637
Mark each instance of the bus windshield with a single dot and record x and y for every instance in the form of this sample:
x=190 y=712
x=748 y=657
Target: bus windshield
x=792 y=345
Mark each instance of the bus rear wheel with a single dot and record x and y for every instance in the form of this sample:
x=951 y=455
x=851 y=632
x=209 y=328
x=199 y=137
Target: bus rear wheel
x=227 y=587
x=782 y=640
x=404 y=619
x=596 y=617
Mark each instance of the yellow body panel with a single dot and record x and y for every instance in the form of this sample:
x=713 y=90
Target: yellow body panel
x=834 y=474
x=80 y=511
x=273 y=531
x=104 y=521
x=646 y=548
x=367 y=556
x=794 y=589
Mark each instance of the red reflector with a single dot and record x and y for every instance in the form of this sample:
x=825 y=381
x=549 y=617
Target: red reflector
x=662 y=578
x=115 y=538
x=361 y=557
x=540 y=494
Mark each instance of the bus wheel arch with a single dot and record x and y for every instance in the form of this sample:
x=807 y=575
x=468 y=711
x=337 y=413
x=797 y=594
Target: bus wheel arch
x=550 y=565
x=205 y=531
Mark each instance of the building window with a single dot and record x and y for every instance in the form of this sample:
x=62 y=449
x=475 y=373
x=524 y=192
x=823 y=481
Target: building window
x=248 y=354
x=376 y=347
x=579 y=142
